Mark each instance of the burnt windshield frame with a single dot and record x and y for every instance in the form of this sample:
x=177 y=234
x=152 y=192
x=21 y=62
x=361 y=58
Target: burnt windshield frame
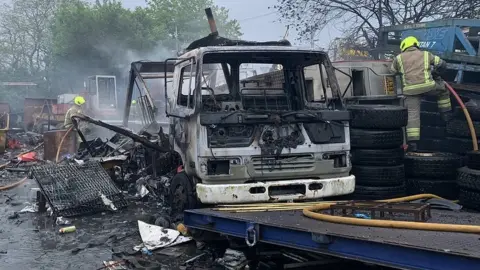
x=289 y=59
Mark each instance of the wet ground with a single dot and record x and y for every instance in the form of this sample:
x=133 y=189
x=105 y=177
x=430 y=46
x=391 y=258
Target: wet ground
x=32 y=240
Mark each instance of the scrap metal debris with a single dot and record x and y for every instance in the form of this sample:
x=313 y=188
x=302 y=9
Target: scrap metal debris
x=74 y=189
x=155 y=237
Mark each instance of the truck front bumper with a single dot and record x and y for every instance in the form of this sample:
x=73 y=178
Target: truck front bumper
x=274 y=191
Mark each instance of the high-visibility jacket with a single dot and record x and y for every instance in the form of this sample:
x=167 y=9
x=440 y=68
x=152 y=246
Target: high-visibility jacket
x=415 y=67
x=74 y=110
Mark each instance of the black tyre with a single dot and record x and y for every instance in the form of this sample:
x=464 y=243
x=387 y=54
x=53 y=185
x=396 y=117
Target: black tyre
x=447 y=189
x=458 y=145
x=469 y=199
x=373 y=176
x=473 y=160
x=432 y=165
x=473 y=107
x=469 y=179
x=433 y=145
x=459 y=128
x=376 y=139
x=378 y=193
x=378 y=116
x=181 y=194
x=377 y=157
x=431 y=119
x=428 y=132
x=428 y=106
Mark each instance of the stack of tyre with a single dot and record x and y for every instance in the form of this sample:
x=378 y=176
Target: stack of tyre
x=433 y=173
x=377 y=139
x=452 y=136
x=433 y=127
x=468 y=180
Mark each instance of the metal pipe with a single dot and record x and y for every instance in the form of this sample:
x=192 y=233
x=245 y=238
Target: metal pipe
x=211 y=21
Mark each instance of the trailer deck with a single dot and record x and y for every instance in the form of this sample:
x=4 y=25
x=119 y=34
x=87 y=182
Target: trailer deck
x=398 y=248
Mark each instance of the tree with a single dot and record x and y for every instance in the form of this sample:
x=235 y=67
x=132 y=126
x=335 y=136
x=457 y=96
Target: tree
x=363 y=18
x=185 y=20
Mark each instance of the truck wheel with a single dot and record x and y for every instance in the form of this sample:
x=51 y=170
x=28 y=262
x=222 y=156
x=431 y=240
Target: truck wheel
x=376 y=139
x=432 y=165
x=473 y=160
x=447 y=189
x=379 y=193
x=433 y=119
x=379 y=176
x=459 y=128
x=429 y=132
x=378 y=116
x=181 y=196
x=469 y=199
x=469 y=179
x=377 y=157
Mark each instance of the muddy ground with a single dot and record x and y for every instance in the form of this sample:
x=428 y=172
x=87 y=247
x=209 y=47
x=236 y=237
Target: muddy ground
x=32 y=240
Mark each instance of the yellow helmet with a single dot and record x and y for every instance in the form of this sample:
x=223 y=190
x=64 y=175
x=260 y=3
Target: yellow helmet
x=79 y=100
x=408 y=42
x=134 y=102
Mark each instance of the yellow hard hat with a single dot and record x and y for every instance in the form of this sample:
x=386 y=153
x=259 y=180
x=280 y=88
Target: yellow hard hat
x=408 y=42
x=79 y=100
x=134 y=102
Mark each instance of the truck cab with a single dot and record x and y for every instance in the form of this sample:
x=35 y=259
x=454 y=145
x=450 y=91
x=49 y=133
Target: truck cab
x=252 y=124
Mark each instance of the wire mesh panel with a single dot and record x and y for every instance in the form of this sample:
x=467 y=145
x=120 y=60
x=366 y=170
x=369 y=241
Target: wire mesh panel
x=73 y=189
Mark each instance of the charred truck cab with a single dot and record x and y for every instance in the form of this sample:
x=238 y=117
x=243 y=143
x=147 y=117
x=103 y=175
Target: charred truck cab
x=250 y=125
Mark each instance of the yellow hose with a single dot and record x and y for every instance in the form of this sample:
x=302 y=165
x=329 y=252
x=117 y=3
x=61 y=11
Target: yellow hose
x=310 y=212
x=61 y=143
x=13 y=185
x=467 y=116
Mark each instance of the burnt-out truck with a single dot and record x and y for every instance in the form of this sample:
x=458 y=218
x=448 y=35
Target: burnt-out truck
x=248 y=125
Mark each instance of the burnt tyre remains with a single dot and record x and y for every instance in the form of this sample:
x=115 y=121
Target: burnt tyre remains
x=376 y=138
x=431 y=172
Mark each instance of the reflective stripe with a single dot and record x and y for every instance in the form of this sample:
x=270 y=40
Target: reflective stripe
x=413 y=134
x=416 y=86
x=426 y=65
x=400 y=64
x=444 y=103
x=436 y=60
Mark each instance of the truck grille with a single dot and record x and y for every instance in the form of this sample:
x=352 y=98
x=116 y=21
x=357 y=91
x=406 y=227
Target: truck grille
x=265 y=164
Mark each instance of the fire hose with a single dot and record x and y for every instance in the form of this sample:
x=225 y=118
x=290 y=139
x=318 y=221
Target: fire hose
x=311 y=211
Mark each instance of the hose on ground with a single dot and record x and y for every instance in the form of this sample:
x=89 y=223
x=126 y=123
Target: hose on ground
x=467 y=116
x=61 y=143
x=13 y=184
x=311 y=213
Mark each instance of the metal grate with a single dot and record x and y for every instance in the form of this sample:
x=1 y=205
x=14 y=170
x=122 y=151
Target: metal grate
x=73 y=190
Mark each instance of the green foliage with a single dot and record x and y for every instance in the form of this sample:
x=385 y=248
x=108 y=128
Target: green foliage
x=58 y=43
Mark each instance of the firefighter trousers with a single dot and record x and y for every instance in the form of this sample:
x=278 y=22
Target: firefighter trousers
x=413 y=102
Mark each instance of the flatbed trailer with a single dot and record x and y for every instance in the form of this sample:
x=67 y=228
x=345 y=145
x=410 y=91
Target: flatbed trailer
x=397 y=248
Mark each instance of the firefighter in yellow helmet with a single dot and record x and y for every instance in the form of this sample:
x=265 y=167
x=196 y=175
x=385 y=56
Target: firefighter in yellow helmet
x=76 y=109
x=415 y=67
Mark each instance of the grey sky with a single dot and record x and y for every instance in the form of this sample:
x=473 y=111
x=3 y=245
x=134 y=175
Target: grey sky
x=258 y=22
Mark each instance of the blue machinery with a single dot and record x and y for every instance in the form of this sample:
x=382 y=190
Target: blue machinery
x=454 y=40
x=404 y=249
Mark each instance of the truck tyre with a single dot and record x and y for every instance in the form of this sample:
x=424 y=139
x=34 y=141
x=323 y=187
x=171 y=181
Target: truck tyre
x=377 y=157
x=447 y=189
x=459 y=128
x=379 y=193
x=429 y=132
x=428 y=106
x=473 y=160
x=469 y=179
x=432 y=165
x=181 y=194
x=432 y=119
x=376 y=139
x=469 y=199
x=458 y=145
x=473 y=107
x=373 y=176
x=378 y=116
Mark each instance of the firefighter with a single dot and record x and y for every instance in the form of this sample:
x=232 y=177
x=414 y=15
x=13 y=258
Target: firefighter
x=414 y=65
x=76 y=109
